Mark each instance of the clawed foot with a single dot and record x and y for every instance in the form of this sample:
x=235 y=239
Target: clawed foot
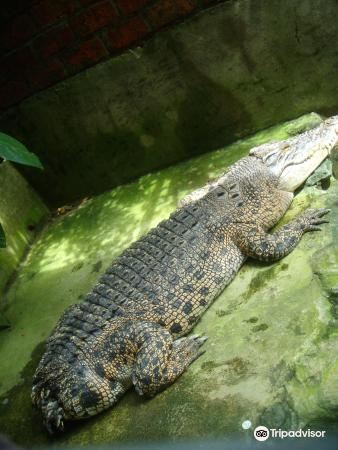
x=314 y=217
x=53 y=416
x=52 y=412
x=152 y=375
x=190 y=345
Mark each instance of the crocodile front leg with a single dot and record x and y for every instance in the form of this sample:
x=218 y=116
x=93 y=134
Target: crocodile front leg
x=255 y=242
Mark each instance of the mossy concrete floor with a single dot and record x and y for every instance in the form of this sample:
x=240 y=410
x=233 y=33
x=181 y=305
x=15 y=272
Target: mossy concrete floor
x=271 y=356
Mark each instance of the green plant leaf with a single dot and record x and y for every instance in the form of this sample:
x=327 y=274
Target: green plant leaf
x=2 y=237
x=13 y=150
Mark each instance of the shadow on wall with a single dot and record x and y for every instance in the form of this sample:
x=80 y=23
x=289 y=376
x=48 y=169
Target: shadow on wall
x=125 y=154
x=206 y=102
x=165 y=109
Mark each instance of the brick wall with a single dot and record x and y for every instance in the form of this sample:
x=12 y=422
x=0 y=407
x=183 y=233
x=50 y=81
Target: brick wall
x=45 y=41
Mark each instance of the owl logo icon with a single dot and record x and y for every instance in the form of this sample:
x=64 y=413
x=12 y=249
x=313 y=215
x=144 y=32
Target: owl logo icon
x=261 y=433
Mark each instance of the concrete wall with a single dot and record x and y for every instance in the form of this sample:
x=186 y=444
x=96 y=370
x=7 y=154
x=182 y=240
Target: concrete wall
x=21 y=214
x=45 y=41
x=223 y=74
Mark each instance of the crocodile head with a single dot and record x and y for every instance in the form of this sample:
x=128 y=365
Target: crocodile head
x=293 y=160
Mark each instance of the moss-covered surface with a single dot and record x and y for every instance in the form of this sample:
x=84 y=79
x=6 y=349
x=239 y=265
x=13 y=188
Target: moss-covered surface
x=273 y=338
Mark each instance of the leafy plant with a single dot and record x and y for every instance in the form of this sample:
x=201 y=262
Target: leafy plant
x=15 y=151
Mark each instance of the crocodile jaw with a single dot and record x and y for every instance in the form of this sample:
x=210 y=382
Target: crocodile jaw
x=295 y=175
x=293 y=160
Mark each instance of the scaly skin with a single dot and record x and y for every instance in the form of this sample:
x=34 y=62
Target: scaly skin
x=129 y=330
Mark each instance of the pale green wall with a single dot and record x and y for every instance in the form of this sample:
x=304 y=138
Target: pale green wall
x=21 y=214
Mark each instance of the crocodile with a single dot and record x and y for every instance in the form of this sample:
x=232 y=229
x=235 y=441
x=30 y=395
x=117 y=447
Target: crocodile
x=131 y=328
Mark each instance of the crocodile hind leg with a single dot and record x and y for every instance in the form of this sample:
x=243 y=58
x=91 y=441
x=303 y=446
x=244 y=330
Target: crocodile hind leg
x=256 y=243
x=160 y=360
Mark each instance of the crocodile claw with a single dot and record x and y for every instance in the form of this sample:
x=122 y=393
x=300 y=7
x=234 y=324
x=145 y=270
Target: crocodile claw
x=312 y=218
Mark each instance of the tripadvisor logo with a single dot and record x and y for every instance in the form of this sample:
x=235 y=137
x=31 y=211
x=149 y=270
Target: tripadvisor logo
x=262 y=433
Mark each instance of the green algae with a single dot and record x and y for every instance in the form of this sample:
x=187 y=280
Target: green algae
x=271 y=333
x=252 y=320
x=261 y=327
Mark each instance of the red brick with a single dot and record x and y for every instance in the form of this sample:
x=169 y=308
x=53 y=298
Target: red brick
x=16 y=64
x=130 y=6
x=94 y=18
x=127 y=34
x=86 y=54
x=42 y=76
x=19 y=31
x=47 y=12
x=12 y=92
x=54 y=40
x=165 y=11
